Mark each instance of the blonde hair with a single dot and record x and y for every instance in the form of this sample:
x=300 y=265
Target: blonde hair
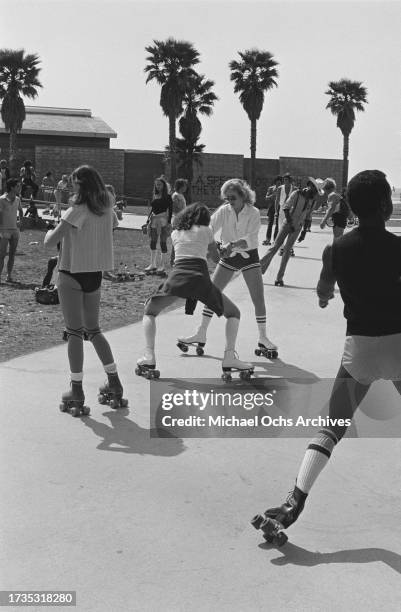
x=242 y=188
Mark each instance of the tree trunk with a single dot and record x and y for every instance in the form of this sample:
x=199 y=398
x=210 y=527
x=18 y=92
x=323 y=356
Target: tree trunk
x=345 y=160
x=253 y=154
x=190 y=179
x=12 y=156
x=173 y=160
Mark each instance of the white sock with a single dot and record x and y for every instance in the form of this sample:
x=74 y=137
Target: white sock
x=110 y=368
x=76 y=376
x=261 y=323
x=232 y=325
x=149 y=328
x=205 y=322
x=315 y=459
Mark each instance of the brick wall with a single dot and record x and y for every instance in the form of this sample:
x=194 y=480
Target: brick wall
x=141 y=168
x=63 y=160
x=301 y=167
x=266 y=171
x=212 y=173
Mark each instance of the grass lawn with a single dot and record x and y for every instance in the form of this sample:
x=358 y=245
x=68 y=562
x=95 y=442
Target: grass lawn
x=26 y=326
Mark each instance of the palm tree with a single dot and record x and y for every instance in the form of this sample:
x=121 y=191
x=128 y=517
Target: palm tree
x=346 y=97
x=198 y=99
x=189 y=156
x=253 y=76
x=18 y=77
x=171 y=63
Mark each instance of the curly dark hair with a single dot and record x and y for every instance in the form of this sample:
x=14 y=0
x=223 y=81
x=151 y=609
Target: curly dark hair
x=194 y=214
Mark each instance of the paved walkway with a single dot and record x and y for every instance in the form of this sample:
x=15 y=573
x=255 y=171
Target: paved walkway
x=138 y=523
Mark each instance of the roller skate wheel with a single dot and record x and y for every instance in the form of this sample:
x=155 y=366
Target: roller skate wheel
x=268 y=526
x=258 y=352
x=102 y=399
x=280 y=539
x=226 y=376
x=182 y=347
x=273 y=354
x=114 y=403
x=156 y=374
x=138 y=371
x=269 y=538
x=245 y=375
x=75 y=411
x=63 y=408
x=200 y=351
x=123 y=403
x=85 y=410
x=257 y=521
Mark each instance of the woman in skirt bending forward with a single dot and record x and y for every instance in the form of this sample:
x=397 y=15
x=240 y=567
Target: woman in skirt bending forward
x=192 y=240
x=239 y=223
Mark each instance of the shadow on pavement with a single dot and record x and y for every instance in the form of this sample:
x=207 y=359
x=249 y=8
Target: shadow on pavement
x=277 y=367
x=296 y=555
x=125 y=436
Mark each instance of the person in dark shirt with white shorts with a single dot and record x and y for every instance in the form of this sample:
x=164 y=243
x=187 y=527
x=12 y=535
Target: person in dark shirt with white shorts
x=366 y=264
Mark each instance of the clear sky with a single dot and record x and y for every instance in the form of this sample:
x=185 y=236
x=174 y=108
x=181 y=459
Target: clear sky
x=93 y=56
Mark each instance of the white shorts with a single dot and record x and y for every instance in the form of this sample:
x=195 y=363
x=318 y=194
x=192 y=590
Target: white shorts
x=370 y=358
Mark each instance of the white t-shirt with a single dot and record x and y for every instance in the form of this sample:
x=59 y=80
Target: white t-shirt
x=88 y=246
x=192 y=243
x=245 y=226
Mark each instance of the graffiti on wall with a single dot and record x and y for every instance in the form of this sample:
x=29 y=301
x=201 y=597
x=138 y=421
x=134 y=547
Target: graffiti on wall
x=210 y=185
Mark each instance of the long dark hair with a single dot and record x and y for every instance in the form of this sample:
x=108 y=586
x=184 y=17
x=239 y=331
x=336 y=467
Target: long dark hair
x=164 y=192
x=194 y=214
x=92 y=190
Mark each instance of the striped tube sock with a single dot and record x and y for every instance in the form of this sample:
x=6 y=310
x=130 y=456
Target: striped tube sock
x=76 y=376
x=316 y=456
x=207 y=315
x=110 y=368
x=261 y=323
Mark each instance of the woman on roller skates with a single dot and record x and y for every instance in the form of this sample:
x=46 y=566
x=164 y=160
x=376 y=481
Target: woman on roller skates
x=193 y=240
x=86 y=236
x=337 y=209
x=239 y=223
x=366 y=264
x=159 y=220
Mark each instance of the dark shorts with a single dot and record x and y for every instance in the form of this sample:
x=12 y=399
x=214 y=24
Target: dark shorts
x=190 y=279
x=241 y=261
x=339 y=220
x=88 y=281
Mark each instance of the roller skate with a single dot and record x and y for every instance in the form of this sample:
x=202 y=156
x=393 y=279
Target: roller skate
x=146 y=365
x=111 y=392
x=231 y=363
x=161 y=269
x=151 y=268
x=72 y=401
x=276 y=520
x=198 y=340
x=266 y=348
x=279 y=283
